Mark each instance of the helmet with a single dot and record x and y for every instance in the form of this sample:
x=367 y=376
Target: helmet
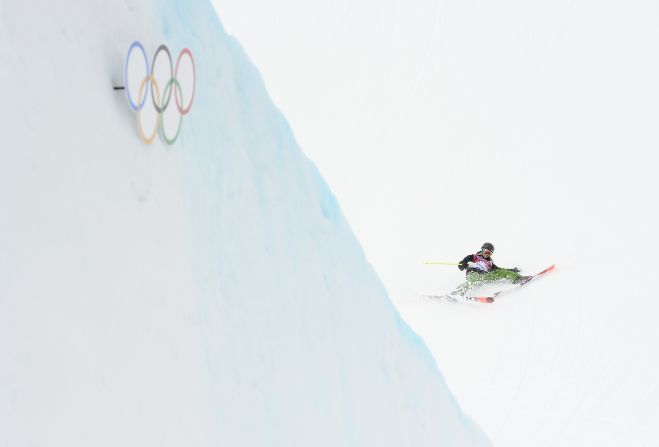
x=488 y=246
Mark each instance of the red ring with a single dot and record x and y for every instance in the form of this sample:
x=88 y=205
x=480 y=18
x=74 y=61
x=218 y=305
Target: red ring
x=194 y=83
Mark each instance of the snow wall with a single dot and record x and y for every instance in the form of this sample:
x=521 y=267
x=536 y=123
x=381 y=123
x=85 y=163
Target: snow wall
x=207 y=293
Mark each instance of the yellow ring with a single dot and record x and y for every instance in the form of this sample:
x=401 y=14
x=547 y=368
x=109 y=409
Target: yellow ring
x=139 y=120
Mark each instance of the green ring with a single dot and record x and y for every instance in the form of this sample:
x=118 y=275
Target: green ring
x=168 y=86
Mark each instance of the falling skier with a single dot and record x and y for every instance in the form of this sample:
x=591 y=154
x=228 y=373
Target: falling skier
x=480 y=269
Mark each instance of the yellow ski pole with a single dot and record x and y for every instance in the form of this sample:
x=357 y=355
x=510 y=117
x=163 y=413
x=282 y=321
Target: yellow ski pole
x=441 y=263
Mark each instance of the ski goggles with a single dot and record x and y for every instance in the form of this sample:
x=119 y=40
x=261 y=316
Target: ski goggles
x=487 y=252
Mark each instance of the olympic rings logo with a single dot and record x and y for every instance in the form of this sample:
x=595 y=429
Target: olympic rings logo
x=146 y=81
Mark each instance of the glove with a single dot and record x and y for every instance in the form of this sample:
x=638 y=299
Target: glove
x=462 y=267
x=516 y=270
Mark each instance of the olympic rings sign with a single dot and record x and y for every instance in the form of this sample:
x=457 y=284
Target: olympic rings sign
x=143 y=81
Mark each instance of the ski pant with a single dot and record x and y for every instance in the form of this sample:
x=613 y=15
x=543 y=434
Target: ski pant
x=475 y=279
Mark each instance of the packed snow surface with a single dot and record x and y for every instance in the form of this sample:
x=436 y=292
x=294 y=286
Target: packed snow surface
x=207 y=293
x=532 y=124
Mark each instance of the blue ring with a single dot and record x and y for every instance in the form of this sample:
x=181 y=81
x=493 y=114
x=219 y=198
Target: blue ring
x=133 y=106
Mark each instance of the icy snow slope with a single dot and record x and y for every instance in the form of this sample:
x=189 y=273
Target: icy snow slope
x=210 y=293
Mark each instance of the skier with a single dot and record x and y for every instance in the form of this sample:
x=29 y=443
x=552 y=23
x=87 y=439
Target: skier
x=481 y=269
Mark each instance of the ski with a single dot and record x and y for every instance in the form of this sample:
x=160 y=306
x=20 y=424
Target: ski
x=449 y=298
x=490 y=298
x=455 y=298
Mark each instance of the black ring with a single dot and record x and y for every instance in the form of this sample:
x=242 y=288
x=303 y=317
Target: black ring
x=164 y=48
